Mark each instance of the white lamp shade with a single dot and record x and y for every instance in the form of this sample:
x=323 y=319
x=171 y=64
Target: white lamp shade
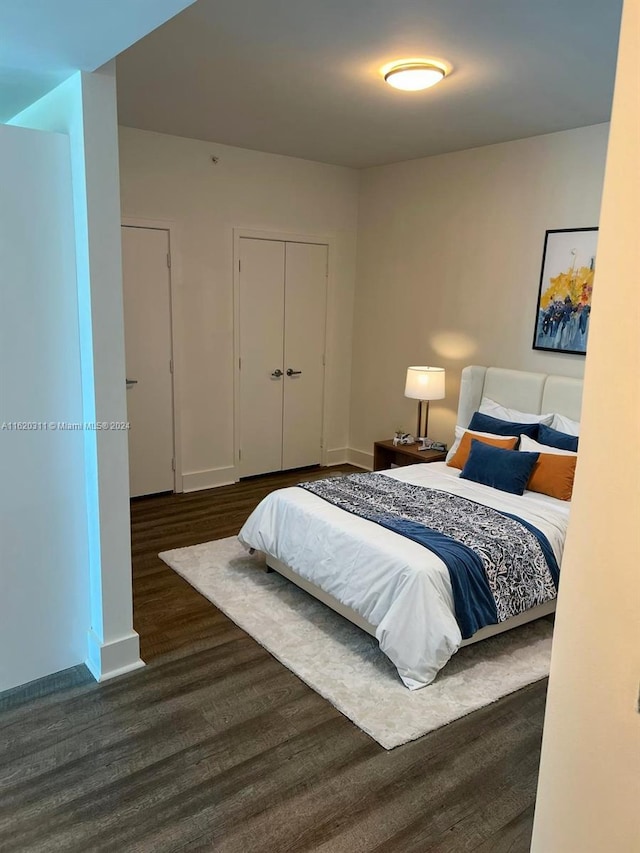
x=425 y=383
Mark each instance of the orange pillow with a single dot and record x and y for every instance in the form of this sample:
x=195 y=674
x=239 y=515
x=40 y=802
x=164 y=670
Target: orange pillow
x=464 y=448
x=553 y=475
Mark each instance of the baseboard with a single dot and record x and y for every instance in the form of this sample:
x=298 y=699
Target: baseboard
x=209 y=479
x=360 y=458
x=107 y=660
x=195 y=481
x=48 y=685
x=337 y=456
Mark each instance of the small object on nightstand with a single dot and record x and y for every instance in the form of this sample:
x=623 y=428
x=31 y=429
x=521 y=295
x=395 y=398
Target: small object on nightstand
x=403 y=438
x=429 y=444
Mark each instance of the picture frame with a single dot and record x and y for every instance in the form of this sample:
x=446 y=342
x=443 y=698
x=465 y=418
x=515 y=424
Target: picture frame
x=564 y=294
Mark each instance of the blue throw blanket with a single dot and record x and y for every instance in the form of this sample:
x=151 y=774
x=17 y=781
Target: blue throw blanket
x=499 y=564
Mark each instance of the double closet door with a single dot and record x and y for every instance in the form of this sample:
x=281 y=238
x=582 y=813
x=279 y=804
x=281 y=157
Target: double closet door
x=282 y=318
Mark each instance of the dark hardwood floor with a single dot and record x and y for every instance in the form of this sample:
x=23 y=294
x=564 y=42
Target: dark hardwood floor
x=214 y=745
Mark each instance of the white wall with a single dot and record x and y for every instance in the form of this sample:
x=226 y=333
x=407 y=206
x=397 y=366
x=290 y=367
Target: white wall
x=44 y=585
x=84 y=108
x=171 y=178
x=449 y=256
x=589 y=786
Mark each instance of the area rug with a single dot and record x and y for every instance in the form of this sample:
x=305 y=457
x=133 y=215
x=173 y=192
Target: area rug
x=343 y=663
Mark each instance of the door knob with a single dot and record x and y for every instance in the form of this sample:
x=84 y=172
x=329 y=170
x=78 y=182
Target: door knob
x=291 y=372
x=277 y=374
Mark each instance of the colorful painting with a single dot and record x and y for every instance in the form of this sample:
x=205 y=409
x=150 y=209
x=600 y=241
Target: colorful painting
x=566 y=285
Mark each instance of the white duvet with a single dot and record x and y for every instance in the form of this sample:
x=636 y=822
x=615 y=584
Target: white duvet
x=397 y=585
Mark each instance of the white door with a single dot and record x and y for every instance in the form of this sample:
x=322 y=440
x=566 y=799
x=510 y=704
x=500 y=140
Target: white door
x=147 y=330
x=261 y=355
x=304 y=335
x=282 y=311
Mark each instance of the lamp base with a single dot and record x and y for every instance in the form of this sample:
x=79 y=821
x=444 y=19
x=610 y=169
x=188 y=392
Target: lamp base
x=423 y=429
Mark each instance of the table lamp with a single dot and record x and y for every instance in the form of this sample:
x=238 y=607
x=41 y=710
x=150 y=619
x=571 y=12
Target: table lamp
x=424 y=384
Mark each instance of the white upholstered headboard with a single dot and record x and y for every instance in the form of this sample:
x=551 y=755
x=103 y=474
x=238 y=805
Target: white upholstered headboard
x=517 y=389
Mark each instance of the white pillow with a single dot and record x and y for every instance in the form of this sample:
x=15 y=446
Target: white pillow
x=460 y=431
x=563 y=424
x=490 y=407
x=532 y=446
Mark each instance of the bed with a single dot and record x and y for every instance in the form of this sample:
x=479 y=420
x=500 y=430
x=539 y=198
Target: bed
x=391 y=585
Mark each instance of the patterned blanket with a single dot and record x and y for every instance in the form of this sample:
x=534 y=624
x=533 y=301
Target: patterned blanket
x=499 y=565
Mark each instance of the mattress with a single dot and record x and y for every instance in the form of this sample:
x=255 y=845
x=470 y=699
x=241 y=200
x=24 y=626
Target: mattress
x=397 y=585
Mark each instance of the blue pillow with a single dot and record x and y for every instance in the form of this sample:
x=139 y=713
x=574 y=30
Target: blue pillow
x=555 y=438
x=485 y=423
x=507 y=470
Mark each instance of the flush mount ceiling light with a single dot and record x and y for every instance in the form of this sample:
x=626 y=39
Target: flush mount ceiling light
x=412 y=75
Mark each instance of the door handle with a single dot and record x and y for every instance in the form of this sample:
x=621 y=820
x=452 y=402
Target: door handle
x=277 y=374
x=291 y=372
x=131 y=381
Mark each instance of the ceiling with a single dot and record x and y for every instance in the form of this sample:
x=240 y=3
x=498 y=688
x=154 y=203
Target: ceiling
x=45 y=41
x=302 y=78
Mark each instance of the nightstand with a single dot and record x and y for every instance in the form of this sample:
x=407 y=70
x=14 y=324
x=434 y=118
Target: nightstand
x=386 y=454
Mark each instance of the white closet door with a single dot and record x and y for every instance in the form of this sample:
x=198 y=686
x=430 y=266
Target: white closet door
x=147 y=332
x=261 y=355
x=304 y=336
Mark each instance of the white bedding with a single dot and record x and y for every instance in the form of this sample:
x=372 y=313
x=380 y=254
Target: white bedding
x=397 y=585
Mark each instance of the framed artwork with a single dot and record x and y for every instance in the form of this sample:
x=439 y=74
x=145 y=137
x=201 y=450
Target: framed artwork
x=564 y=295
